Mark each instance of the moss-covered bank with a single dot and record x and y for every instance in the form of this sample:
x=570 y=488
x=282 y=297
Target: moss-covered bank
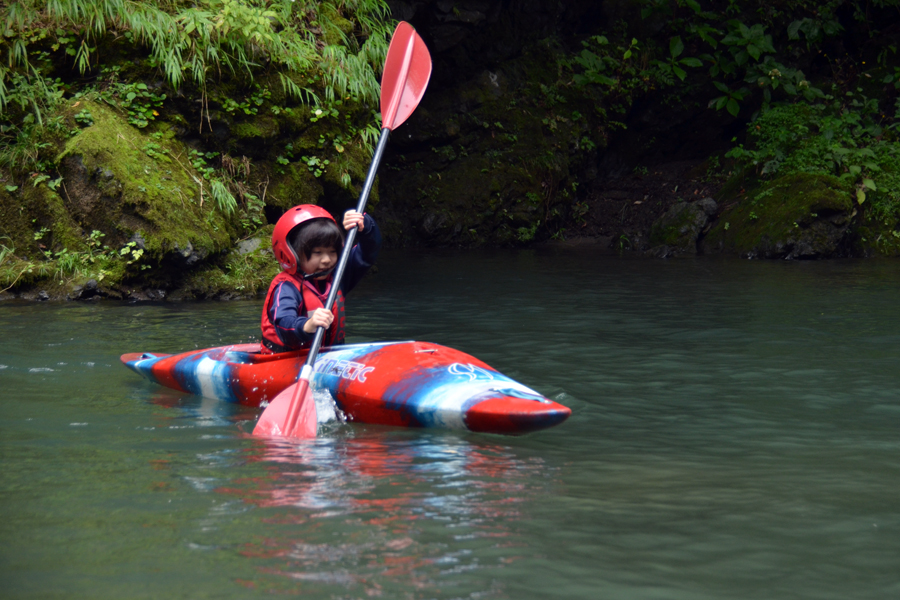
x=797 y=216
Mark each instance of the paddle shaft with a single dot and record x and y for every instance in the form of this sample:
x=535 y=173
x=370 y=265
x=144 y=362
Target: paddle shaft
x=306 y=371
x=348 y=243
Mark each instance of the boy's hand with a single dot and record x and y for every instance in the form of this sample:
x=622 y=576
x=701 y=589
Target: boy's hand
x=353 y=219
x=319 y=318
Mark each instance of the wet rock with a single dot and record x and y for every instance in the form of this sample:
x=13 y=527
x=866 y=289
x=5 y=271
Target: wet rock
x=138 y=241
x=709 y=206
x=679 y=228
x=248 y=246
x=89 y=290
x=187 y=255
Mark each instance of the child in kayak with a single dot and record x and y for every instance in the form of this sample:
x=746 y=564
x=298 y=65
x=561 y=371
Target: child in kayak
x=307 y=243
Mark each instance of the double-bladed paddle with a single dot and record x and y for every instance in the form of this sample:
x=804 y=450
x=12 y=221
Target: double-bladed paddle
x=407 y=69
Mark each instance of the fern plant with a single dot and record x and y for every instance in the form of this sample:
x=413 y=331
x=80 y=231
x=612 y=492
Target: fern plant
x=190 y=44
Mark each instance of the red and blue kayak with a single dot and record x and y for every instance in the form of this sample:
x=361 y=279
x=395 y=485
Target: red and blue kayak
x=410 y=384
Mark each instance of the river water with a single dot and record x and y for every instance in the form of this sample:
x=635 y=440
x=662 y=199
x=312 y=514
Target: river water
x=734 y=435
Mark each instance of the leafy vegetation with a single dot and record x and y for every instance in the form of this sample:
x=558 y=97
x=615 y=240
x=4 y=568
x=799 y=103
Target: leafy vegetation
x=845 y=137
x=812 y=104
x=316 y=52
x=247 y=59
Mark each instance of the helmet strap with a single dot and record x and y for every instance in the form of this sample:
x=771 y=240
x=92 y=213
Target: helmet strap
x=324 y=273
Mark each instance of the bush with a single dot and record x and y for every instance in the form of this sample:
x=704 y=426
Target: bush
x=847 y=137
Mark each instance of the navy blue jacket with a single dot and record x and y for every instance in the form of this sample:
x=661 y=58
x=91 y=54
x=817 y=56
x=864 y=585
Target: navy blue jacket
x=286 y=309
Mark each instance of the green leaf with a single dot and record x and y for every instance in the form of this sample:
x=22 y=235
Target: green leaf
x=605 y=80
x=870 y=184
x=681 y=73
x=753 y=51
x=693 y=5
x=704 y=34
x=676 y=46
x=721 y=87
x=860 y=196
x=855 y=169
x=733 y=107
x=692 y=62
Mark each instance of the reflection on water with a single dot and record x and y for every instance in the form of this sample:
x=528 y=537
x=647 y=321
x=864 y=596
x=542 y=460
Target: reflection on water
x=378 y=513
x=734 y=435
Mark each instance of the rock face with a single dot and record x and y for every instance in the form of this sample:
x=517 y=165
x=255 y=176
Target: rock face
x=792 y=217
x=679 y=229
x=505 y=148
x=137 y=190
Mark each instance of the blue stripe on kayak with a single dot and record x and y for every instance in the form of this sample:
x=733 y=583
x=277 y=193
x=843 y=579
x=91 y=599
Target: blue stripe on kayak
x=144 y=365
x=203 y=375
x=441 y=396
x=437 y=397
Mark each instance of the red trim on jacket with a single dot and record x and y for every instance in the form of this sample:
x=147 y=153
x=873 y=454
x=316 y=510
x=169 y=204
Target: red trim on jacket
x=312 y=300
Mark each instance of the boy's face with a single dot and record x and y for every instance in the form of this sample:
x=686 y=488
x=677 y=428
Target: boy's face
x=320 y=259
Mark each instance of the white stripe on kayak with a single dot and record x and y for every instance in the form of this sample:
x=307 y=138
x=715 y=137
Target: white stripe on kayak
x=443 y=405
x=205 y=373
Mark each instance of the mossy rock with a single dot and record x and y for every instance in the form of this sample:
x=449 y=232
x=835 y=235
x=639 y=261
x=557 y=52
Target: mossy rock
x=244 y=272
x=800 y=216
x=135 y=186
x=353 y=162
x=677 y=231
x=492 y=162
x=291 y=185
x=876 y=238
x=475 y=202
x=257 y=130
x=334 y=26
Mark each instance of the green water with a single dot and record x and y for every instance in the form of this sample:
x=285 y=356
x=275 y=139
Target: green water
x=734 y=435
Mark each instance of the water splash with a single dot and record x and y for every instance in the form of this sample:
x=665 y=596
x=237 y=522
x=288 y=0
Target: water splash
x=327 y=410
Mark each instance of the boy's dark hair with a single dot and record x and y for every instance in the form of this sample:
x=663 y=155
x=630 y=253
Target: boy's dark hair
x=317 y=233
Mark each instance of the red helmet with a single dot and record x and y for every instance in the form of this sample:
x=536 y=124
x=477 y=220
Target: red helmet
x=283 y=250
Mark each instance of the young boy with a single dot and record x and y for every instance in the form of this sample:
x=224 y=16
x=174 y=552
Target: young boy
x=307 y=243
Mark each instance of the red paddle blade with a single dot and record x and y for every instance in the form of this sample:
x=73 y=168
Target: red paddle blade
x=407 y=70
x=276 y=419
